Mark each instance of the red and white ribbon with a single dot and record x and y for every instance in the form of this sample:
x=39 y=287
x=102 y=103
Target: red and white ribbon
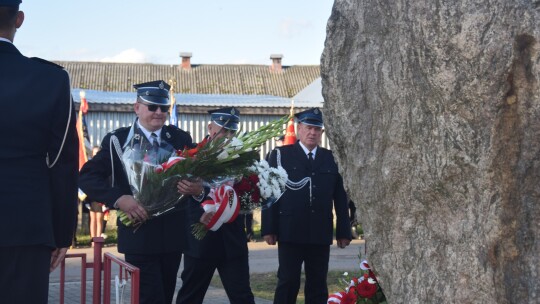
x=225 y=205
x=336 y=297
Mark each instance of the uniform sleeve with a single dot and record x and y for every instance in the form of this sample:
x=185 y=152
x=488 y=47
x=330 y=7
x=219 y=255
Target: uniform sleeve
x=63 y=175
x=343 y=224
x=95 y=176
x=183 y=138
x=270 y=215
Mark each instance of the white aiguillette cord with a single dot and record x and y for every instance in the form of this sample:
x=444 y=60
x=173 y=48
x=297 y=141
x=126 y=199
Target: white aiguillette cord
x=65 y=133
x=114 y=141
x=296 y=185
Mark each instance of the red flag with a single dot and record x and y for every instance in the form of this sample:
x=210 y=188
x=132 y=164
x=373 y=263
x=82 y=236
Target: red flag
x=83 y=158
x=290 y=136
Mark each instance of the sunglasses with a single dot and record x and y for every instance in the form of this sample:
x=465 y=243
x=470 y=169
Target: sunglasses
x=153 y=108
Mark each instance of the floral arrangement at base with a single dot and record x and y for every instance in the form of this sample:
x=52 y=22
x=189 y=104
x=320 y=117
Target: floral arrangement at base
x=361 y=289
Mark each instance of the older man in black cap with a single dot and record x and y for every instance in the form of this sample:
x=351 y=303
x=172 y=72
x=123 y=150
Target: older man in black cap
x=225 y=249
x=157 y=244
x=301 y=220
x=39 y=165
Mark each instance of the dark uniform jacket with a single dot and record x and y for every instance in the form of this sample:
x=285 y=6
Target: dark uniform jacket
x=38 y=203
x=106 y=181
x=296 y=218
x=227 y=242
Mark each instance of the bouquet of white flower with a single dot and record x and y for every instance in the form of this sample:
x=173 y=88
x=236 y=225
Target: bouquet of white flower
x=271 y=181
x=261 y=187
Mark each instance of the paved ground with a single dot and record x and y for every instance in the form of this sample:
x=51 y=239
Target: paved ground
x=262 y=258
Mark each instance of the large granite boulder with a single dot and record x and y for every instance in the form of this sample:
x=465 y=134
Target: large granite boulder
x=433 y=112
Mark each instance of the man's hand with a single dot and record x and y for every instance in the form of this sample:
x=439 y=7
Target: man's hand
x=342 y=243
x=134 y=211
x=57 y=256
x=270 y=239
x=206 y=217
x=190 y=187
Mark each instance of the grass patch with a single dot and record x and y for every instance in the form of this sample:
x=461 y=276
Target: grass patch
x=263 y=285
x=83 y=240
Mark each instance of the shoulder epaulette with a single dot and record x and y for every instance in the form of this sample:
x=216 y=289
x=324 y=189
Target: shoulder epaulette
x=119 y=130
x=175 y=129
x=47 y=62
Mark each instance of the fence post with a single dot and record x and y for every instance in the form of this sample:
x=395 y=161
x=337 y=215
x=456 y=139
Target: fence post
x=97 y=267
x=123 y=267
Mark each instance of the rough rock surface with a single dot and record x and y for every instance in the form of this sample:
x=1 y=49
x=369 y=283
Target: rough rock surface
x=433 y=112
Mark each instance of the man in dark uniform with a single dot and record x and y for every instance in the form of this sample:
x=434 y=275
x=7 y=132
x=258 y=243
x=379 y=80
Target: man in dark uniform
x=156 y=245
x=224 y=249
x=39 y=164
x=301 y=221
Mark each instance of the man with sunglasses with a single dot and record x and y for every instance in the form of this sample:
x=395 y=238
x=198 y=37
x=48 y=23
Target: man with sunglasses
x=156 y=246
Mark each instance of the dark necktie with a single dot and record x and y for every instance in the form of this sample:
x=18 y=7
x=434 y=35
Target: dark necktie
x=155 y=143
x=310 y=158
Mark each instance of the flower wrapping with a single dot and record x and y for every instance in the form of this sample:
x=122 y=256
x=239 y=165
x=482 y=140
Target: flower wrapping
x=156 y=193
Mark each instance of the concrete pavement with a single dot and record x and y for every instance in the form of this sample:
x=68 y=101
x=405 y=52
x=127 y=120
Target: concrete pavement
x=262 y=259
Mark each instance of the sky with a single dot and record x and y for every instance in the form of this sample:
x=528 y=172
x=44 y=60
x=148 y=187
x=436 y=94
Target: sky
x=137 y=31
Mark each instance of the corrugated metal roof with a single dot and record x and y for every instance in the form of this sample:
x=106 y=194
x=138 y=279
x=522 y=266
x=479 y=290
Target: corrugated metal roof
x=200 y=79
x=210 y=100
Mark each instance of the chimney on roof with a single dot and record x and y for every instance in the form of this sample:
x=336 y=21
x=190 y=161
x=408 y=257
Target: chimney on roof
x=186 y=61
x=276 y=62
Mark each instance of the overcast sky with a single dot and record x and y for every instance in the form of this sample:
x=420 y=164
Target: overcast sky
x=137 y=31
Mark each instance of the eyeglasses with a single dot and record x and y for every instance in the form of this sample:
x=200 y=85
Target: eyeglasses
x=153 y=108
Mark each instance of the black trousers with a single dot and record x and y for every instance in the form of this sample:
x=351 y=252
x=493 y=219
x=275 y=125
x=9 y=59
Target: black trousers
x=24 y=274
x=158 y=276
x=315 y=259
x=197 y=274
x=247 y=220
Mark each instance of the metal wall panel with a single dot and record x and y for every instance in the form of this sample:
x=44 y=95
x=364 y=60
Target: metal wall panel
x=101 y=123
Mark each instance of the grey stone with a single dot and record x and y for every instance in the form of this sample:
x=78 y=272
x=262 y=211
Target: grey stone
x=432 y=110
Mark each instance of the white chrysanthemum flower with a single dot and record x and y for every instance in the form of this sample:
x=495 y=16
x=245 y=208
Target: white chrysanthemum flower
x=266 y=193
x=264 y=164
